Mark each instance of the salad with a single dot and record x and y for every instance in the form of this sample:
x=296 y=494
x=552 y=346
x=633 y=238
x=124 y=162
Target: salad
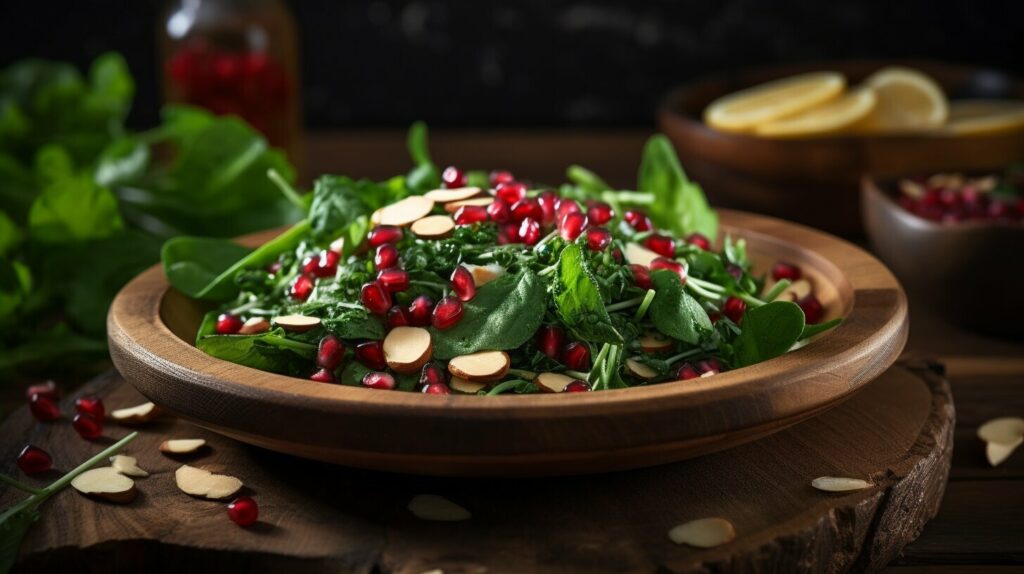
x=484 y=283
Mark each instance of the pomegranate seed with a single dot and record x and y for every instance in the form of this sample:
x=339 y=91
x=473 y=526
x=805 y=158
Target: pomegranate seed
x=447 y=313
x=572 y=225
x=375 y=298
x=384 y=234
x=529 y=231
x=330 y=352
x=548 y=201
x=509 y=234
x=326 y=264
x=527 y=209
x=671 y=265
x=686 y=371
x=698 y=240
x=433 y=375
x=734 y=308
x=49 y=389
x=44 y=408
x=735 y=270
x=641 y=276
x=638 y=220
x=598 y=238
x=378 y=380
x=550 y=339
x=714 y=316
x=565 y=207
x=419 y=311
x=397 y=317
x=617 y=255
x=243 y=511
x=453 y=177
x=783 y=270
x=309 y=264
x=600 y=213
x=322 y=376
x=90 y=405
x=87 y=426
x=501 y=176
x=813 y=311
x=463 y=284
x=302 y=287
x=228 y=324
x=499 y=211
x=709 y=366
x=371 y=355
x=34 y=460
x=385 y=257
x=576 y=386
x=576 y=356
x=510 y=191
x=438 y=389
x=393 y=280
x=469 y=214
x=661 y=244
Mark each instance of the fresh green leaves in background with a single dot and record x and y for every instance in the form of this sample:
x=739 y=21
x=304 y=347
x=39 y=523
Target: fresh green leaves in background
x=681 y=205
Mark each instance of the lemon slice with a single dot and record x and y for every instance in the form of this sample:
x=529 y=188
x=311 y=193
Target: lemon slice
x=980 y=117
x=832 y=116
x=742 y=110
x=908 y=100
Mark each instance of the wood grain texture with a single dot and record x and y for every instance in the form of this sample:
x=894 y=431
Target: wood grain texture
x=151 y=329
x=322 y=518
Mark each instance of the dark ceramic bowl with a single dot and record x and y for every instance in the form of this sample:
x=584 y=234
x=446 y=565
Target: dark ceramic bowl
x=971 y=273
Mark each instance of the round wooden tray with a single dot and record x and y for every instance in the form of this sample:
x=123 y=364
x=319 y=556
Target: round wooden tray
x=151 y=328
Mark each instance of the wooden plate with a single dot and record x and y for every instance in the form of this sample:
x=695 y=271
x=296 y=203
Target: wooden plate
x=151 y=328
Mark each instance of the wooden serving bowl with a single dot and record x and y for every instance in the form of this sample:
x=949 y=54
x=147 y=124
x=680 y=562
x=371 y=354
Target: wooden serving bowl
x=816 y=181
x=151 y=328
x=969 y=271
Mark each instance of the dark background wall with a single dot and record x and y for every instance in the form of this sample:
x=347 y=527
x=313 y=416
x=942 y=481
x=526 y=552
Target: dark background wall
x=533 y=62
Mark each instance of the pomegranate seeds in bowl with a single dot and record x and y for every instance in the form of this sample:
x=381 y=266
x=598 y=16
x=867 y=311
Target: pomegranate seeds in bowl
x=952 y=198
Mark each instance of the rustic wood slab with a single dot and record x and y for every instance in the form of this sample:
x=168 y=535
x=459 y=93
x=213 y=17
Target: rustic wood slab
x=315 y=517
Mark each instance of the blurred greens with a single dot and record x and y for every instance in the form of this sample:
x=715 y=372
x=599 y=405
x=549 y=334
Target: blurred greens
x=86 y=203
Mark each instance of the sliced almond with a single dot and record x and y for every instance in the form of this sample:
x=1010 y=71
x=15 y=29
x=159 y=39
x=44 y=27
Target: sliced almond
x=654 y=342
x=640 y=370
x=203 y=483
x=460 y=385
x=703 y=533
x=105 y=483
x=338 y=245
x=1004 y=430
x=454 y=194
x=797 y=290
x=136 y=415
x=484 y=274
x=839 y=484
x=375 y=216
x=297 y=323
x=997 y=452
x=405 y=211
x=454 y=206
x=407 y=349
x=182 y=445
x=640 y=255
x=433 y=507
x=552 y=382
x=127 y=465
x=481 y=367
x=254 y=326
x=433 y=227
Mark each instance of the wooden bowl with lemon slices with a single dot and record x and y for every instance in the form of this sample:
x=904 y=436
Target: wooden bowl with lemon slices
x=800 y=153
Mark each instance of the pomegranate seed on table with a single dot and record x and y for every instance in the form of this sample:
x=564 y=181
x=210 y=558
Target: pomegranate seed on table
x=452 y=177
x=384 y=234
x=433 y=375
x=87 y=426
x=437 y=389
x=572 y=225
x=576 y=356
x=529 y=231
x=371 y=355
x=641 y=276
x=34 y=460
x=447 y=313
x=698 y=240
x=499 y=210
x=397 y=317
x=322 y=376
x=550 y=339
x=378 y=380
x=598 y=238
x=44 y=408
x=527 y=209
x=600 y=213
x=686 y=371
x=419 y=311
x=228 y=324
x=510 y=191
x=393 y=280
x=49 y=389
x=548 y=201
x=813 y=311
x=385 y=257
x=470 y=214
x=90 y=405
x=576 y=386
x=375 y=298
x=734 y=308
x=661 y=244
x=782 y=270
x=638 y=220
x=302 y=287
x=671 y=265
x=500 y=176
x=243 y=511
x=330 y=352
x=463 y=284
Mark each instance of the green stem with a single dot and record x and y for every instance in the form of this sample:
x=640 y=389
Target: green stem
x=642 y=309
x=103 y=455
x=547 y=270
x=523 y=374
x=10 y=481
x=502 y=387
x=625 y=304
x=708 y=285
x=286 y=188
x=545 y=239
x=294 y=345
x=431 y=284
x=703 y=292
x=777 y=290
x=635 y=197
x=577 y=374
x=599 y=362
x=684 y=355
x=750 y=299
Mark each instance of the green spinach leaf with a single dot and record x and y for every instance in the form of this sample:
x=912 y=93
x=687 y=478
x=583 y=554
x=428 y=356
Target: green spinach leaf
x=768 y=331
x=424 y=176
x=679 y=203
x=74 y=209
x=674 y=312
x=578 y=299
x=812 y=330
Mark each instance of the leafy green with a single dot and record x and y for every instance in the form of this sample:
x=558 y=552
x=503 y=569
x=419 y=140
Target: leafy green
x=338 y=201
x=768 y=331
x=269 y=351
x=674 y=312
x=680 y=203
x=74 y=209
x=424 y=176
x=578 y=299
x=10 y=235
x=812 y=330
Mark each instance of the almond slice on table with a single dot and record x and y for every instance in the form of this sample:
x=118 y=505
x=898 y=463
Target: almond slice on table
x=407 y=349
x=454 y=194
x=405 y=211
x=127 y=465
x=439 y=508
x=105 y=483
x=839 y=484
x=1004 y=430
x=454 y=206
x=703 y=533
x=433 y=227
x=136 y=415
x=204 y=484
x=460 y=385
x=997 y=452
x=639 y=255
x=254 y=326
x=297 y=323
x=552 y=382
x=654 y=342
x=182 y=445
x=640 y=370
x=484 y=274
x=480 y=367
